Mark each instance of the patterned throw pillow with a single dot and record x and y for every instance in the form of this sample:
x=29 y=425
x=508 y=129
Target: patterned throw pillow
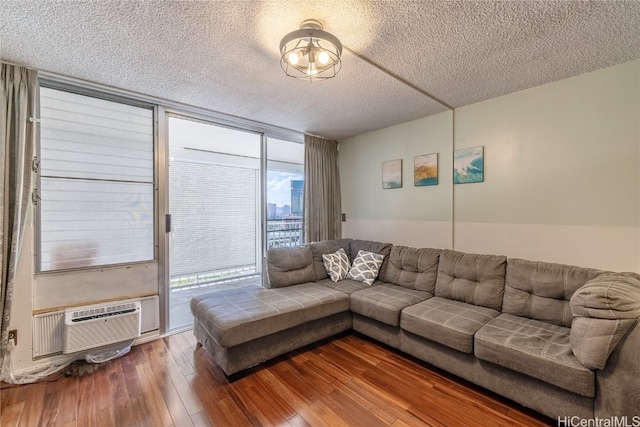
x=336 y=264
x=365 y=267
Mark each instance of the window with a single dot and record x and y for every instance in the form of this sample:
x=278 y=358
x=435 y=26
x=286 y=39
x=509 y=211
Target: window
x=285 y=192
x=96 y=181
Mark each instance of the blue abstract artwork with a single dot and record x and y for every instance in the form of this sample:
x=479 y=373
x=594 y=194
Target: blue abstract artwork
x=392 y=174
x=468 y=165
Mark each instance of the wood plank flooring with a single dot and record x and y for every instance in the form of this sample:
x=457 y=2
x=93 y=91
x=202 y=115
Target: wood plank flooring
x=346 y=381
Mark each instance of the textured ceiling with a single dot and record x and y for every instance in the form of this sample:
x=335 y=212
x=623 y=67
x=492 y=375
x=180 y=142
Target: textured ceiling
x=223 y=55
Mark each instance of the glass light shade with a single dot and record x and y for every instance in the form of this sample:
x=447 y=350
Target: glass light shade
x=310 y=53
x=323 y=57
x=293 y=58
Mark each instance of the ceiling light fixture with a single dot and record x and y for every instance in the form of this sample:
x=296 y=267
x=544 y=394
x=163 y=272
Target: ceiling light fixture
x=310 y=53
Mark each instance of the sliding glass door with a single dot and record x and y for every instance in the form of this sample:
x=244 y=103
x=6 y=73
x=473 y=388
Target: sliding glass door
x=215 y=207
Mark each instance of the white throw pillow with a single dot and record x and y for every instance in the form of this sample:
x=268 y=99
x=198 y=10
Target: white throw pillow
x=365 y=267
x=336 y=264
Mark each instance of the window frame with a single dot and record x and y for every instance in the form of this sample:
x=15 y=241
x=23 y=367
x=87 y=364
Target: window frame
x=107 y=96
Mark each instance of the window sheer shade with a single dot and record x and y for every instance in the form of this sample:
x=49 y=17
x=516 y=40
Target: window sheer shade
x=96 y=182
x=214 y=217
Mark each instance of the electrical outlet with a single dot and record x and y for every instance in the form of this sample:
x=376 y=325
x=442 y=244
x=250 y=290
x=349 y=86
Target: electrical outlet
x=13 y=335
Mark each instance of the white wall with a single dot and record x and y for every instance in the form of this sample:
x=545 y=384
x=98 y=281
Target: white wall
x=412 y=216
x=562 y=176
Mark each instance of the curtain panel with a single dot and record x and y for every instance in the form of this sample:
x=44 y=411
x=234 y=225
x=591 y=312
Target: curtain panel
x=17 y=141
x=322 y=202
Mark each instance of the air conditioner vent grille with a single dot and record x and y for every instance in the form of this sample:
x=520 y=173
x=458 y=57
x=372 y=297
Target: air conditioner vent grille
x=103 y=311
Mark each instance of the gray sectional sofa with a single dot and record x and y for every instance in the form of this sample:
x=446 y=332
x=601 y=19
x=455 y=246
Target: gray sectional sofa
x=562 y=340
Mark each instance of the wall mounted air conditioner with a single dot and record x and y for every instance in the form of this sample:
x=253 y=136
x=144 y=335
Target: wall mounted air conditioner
x=97 y=325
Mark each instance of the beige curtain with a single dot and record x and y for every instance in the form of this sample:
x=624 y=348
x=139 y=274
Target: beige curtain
x=17 y=133
x=322 y=205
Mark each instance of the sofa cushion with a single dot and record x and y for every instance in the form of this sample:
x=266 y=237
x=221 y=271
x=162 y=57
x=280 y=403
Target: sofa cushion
x=347 y=286
x=337 y=265
x=290 y=266
x=605 y=309
x=326 y=247
x=365 y=267
x=412 y=268
x=235 y=316
x=542 y=290
x=451 y=323
x=384 y=302
x=369 y=246
x=471 y=278
x=534 y=348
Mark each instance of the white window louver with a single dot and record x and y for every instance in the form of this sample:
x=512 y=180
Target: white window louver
x=96 y=181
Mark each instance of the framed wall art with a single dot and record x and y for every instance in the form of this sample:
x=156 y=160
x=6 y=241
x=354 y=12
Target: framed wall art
x=468 y=165
x=392 y=174
x=425 y=170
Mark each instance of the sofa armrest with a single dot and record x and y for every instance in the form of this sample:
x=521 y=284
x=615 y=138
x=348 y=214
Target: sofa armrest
x=604 y=310
x=618 y=384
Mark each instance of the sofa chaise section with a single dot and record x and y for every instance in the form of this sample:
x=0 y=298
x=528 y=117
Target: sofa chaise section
x=244 y=327
x=235 y=317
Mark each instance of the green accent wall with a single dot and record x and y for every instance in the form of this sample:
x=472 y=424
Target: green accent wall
x=567 y=153
x=361 y=160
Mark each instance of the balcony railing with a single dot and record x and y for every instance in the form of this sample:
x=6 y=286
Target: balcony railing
x=219 y=276
x=284 y=232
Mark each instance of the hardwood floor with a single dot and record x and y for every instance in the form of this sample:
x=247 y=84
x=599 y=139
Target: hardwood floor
x=345 y=381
